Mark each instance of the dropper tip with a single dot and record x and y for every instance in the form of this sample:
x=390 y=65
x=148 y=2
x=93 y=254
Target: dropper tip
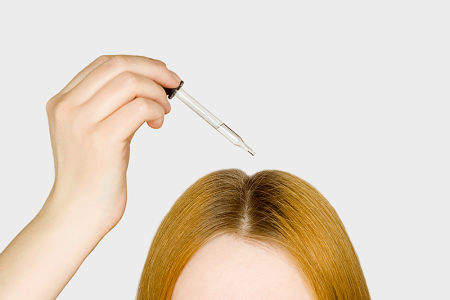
x=246 y=147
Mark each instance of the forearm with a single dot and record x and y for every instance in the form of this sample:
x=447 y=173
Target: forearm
x=45 y=255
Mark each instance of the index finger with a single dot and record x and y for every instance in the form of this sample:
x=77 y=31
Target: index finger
x=98 y=61
x=102 y=73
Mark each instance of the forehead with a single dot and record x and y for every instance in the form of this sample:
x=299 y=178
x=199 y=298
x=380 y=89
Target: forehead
x=227 y=268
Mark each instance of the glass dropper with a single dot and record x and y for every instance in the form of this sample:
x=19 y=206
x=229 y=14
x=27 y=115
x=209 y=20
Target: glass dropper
x=208 y=117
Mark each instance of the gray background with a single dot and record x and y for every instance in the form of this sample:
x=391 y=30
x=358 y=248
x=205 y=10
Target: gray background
x=351 y=96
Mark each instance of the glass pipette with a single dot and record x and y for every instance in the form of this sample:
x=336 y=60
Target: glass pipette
x=208 y=117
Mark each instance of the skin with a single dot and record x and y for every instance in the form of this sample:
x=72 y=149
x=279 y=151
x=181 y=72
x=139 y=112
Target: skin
x=227 y=268
x=92 y=121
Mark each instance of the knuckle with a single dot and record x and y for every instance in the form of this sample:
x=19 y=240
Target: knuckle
x=103 y=58
x=142 y=105
x=128 y=78
x=60 y=110
x=162 y=94
x=48 y=106
x=160 y=67
x=158 y=110
x=119 y=61
x=160 y=62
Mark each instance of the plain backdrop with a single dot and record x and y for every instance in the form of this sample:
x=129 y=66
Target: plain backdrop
x=351 y=96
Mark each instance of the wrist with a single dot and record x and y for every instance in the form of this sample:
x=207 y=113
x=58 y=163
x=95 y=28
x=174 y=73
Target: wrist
x=76 y=214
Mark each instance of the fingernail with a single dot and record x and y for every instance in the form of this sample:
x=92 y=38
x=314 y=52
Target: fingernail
x=175 y=76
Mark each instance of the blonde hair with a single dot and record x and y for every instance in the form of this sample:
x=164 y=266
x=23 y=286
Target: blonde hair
x=272 y=207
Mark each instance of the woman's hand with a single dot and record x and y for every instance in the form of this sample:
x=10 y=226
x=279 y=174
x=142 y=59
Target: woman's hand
x=92 y=121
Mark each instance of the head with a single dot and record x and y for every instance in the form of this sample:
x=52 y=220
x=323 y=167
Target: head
x=266 y=236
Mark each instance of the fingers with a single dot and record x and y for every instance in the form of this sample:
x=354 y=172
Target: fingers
x=126 y=120
x=83 y=73
x=118 y=92
x=98 y=76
